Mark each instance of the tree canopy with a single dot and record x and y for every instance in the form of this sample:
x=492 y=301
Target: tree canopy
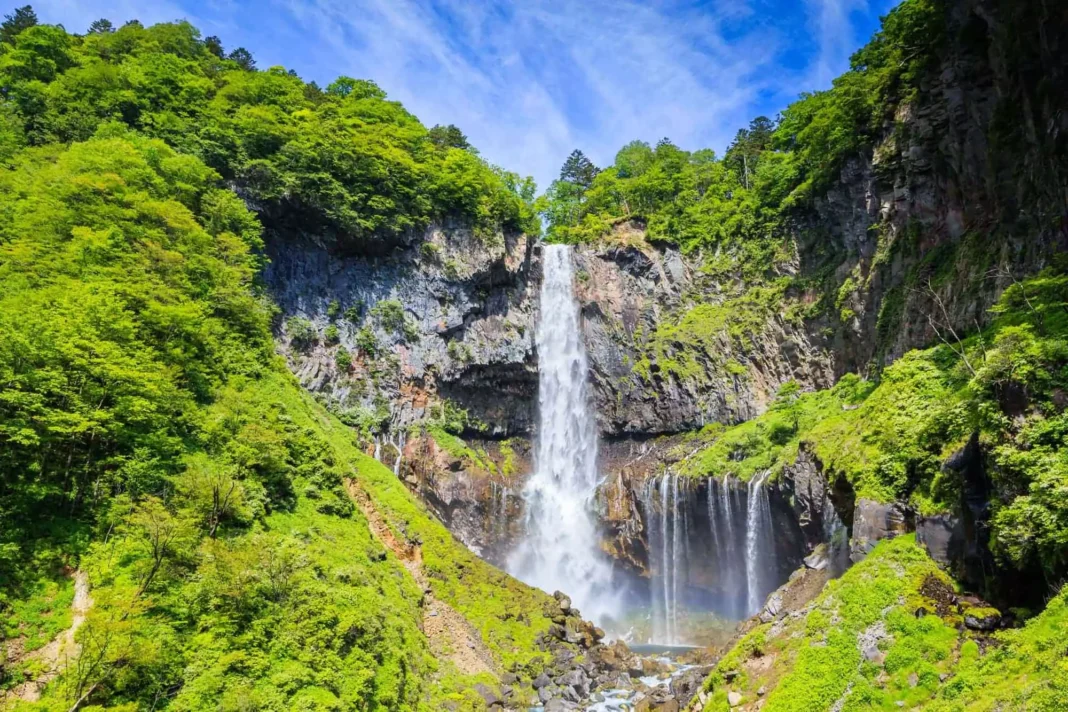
x=347 y=160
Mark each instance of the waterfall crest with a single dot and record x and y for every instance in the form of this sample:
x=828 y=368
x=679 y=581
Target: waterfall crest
x=560 y=550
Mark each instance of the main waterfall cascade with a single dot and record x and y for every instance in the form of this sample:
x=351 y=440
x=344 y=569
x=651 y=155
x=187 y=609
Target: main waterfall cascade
x=560 y=549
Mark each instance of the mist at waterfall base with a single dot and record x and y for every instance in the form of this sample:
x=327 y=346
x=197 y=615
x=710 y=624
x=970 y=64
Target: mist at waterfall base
x=560 y=549
x=722 y=528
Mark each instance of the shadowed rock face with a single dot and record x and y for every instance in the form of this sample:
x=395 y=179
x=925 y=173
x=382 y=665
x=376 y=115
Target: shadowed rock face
x=480 y=505
x=450 y=317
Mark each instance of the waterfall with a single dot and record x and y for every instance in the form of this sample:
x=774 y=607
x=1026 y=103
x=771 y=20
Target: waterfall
x=730 y=556
x=758 y=557
x=560 y=548
x=669 y=556
x=399 y=446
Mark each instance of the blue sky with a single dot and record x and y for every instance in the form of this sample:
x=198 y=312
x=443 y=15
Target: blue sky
x=529 y=80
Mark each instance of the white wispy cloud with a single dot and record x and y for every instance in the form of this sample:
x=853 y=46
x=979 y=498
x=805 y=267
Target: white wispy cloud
x=831 y=23
x=529 y=80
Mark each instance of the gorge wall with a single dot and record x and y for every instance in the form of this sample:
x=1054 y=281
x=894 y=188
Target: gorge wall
x=911 y=244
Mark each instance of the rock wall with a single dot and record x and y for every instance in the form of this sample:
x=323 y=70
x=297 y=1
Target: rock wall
x=467 y=310
x=479 y=501
x=964 y=193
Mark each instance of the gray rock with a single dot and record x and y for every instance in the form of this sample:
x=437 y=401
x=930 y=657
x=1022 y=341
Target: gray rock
x=734 y=698
x=563 y=601
x=984 y=623
x=488 y=695
x=772 y=607
x=873 y=522
x=541 y=681
x=943 y=537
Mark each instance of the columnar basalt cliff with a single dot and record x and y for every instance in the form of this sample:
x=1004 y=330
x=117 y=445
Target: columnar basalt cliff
x=447 y=318
x=909 y=245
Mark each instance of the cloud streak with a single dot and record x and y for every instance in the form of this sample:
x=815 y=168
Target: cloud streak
x=529 y=80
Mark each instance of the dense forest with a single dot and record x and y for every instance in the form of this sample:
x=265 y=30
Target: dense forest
x=241 y=548
x=150 y=435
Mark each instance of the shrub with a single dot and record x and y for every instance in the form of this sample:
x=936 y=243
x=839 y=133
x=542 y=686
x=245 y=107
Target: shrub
x=301 y=331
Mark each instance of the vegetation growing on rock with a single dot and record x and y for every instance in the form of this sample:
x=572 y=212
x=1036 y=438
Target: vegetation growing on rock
x=888 y=634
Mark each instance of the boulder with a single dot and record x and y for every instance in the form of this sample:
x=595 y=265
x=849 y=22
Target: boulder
x=984 y=619
x=772 y=607
x=734 y=698
x=943 y=537
x=489 y=695
x=541 y=681
x=873 y=522
x=563 y=601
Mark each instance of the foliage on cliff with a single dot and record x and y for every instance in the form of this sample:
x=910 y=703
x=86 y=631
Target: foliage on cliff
x=887 y=635
x=150 y=436
x=344 y=159
x=697 y=200
x=889 y=440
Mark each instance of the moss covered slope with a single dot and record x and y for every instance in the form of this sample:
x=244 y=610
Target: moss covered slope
x=890 y=438
x=889 y=635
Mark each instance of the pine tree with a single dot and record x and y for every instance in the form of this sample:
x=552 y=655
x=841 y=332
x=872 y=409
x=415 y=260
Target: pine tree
x=578 y=170
x=23 y=18
x=243 y=58
x=214 y=45
x=448 y=137
x=101 y=27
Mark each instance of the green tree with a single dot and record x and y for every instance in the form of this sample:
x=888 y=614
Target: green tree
x=21 y=19
x=101 y=27
x=215 y=46
x=243 y=58
x=448 y=137
x=578 y=170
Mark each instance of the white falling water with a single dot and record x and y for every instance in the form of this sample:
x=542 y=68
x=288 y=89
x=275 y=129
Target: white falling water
x=560 y=549
x=730 y=556
x=757 y=556
x=729 y=565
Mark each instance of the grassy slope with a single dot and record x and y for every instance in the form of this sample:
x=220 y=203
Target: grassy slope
x=346 y=627
x=137 y=349
x=816 y=659
x=889 y=438
x=508 y=614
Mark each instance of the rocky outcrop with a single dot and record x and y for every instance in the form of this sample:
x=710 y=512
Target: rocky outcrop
x=874 y=521
x=476 y=493
x=822 y=508
x=628 y=289
x=387 y=338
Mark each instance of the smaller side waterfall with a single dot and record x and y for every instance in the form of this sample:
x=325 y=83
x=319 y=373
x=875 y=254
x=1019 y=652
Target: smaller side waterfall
x=759 y=549
x=733 y=576
x=668 y=522
x=727 y=535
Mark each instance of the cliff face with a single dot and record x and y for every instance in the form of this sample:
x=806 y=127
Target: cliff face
x=963 y=194
x=628 y=291
x=447 y=320
x=912 y=244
